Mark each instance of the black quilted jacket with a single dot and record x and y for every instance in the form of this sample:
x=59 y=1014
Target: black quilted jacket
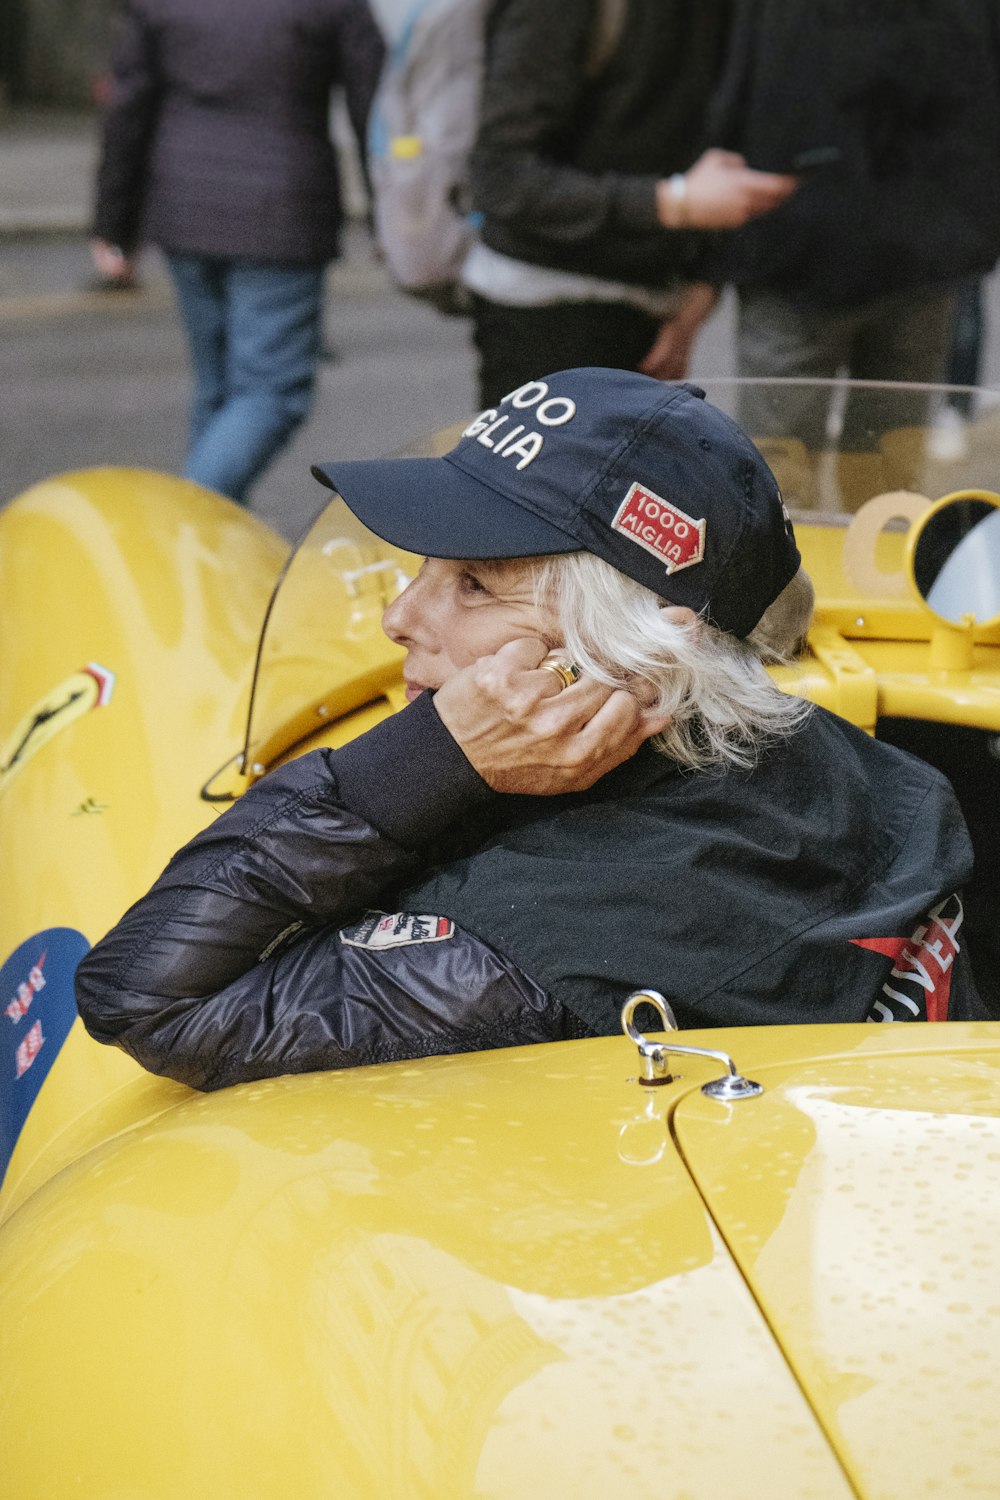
x=380 y=902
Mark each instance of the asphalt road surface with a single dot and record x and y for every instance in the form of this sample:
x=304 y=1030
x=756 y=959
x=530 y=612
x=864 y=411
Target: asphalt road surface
x=90 y=378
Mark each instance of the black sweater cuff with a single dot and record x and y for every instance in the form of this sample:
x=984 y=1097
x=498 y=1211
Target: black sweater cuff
x=407 y=777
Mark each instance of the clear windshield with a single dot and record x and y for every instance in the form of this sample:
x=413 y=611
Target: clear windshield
x=833 y=446
x=322 y=652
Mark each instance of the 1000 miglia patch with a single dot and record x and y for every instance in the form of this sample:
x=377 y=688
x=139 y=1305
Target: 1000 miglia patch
x=397 y=930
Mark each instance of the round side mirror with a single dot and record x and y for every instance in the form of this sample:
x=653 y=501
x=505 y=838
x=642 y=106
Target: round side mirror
x=954 y=557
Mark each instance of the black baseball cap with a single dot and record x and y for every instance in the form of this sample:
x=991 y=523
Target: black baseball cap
x=647 y=475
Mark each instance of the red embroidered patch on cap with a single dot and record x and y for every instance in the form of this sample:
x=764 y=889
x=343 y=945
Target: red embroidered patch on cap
x=677 y=539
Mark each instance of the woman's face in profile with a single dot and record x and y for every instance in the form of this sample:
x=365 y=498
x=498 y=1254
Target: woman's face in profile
x=456 y=611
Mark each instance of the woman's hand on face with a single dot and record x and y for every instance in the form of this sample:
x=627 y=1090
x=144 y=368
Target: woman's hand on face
x=523 y=733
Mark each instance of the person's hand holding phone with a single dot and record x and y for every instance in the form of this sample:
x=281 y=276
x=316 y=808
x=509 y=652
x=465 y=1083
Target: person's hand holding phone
x=719 y=192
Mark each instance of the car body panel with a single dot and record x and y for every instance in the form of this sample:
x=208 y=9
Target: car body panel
x=486 y=1275
x=163 y=585
x=844 y=1195
x=492 y=1275
x=159 y=587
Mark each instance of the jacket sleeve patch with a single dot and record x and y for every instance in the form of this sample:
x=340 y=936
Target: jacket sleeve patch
x=396 y=930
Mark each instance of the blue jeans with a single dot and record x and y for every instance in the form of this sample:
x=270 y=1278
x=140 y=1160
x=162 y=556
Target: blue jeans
x=254 y=333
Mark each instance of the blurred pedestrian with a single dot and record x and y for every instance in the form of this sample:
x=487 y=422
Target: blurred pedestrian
x=965 y=354
x=588 y=251
x=890 y=115
x=216 y=147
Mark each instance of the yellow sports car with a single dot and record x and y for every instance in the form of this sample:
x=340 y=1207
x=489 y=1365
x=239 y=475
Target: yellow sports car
x=754 y=1262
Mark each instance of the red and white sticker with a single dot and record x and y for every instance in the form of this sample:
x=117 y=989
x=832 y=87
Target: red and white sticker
x=665 y=530
x=397 y=930
x=28 y=1049
x=26 y=992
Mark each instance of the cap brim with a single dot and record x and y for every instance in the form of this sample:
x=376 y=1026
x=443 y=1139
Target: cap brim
x=432 y=507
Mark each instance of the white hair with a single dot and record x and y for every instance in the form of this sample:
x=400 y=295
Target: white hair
x=724 y=706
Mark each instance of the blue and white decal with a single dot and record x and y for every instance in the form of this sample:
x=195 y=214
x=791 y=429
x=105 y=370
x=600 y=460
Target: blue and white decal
x=37 y=1009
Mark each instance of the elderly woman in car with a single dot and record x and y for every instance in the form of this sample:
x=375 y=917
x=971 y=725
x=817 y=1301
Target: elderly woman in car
x=596 y=785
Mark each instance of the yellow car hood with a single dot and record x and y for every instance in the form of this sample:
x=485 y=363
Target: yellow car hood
x=494 y=1276
x=860 y=1196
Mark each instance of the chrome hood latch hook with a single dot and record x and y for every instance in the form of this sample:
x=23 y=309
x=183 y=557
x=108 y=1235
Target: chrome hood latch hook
x=656 y=1055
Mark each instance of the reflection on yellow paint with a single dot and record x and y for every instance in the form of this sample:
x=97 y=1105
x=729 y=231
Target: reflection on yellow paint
x=862 y=1198
x=89 y=688
x=440 y=1279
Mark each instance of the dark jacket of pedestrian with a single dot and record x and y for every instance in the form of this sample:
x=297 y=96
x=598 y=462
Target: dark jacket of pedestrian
x=593 y=198
x=891 y=113
x=217 y=139
x=568 y=158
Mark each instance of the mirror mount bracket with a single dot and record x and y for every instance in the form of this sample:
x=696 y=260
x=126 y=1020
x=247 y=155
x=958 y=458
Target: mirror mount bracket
x=952 y=644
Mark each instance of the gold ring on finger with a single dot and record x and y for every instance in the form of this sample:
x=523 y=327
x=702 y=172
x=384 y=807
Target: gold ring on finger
x=567 y=671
